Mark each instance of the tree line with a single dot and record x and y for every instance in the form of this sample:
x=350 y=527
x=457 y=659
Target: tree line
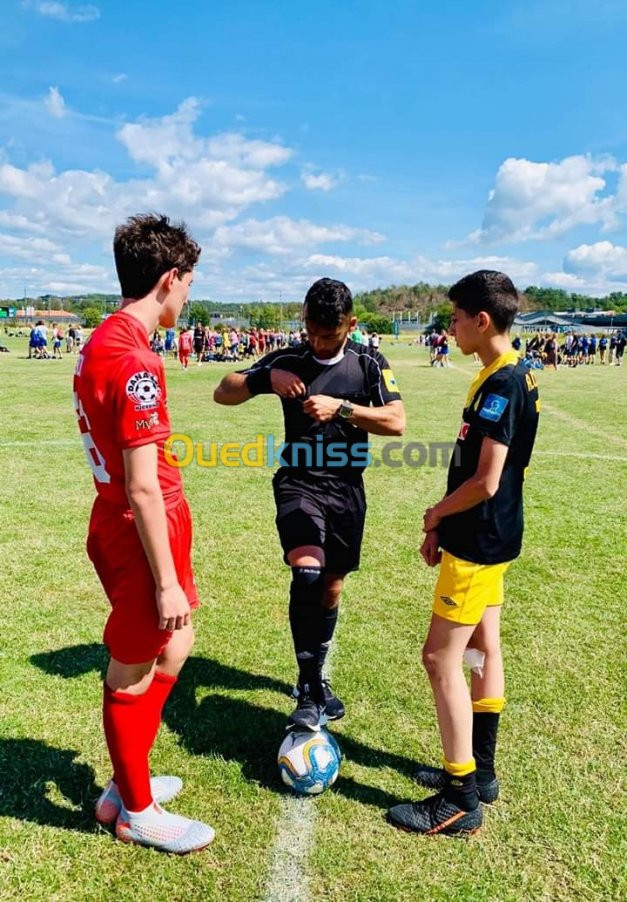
x=376 y=308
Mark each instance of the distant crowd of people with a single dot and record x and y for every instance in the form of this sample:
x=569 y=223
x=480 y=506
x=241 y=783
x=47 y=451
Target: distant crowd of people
x=548 y=349
x=206 y=345
x=574 y=349
x=42 y=340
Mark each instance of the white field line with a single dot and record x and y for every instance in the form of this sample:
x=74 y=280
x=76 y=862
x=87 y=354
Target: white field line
x=35 y=442
x=288 y=880
x=62 y=442
x=581 y=425
x=580 y=455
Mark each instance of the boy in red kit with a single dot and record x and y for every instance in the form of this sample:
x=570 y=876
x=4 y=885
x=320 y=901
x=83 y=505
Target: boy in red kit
x=140 y=529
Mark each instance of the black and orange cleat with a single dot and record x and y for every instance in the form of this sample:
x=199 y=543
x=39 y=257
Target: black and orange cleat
x=436 y=815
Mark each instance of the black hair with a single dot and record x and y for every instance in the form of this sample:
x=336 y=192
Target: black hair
x=148 y=245
x=489 y=291
x=327 y=301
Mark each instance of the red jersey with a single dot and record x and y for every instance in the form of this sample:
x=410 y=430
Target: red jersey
x=120 y=399
x=185 y=342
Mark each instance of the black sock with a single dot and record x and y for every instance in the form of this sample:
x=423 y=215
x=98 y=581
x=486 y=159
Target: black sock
x=485 y=727
x=305 y=615
x=462 y=791
x=328 y=623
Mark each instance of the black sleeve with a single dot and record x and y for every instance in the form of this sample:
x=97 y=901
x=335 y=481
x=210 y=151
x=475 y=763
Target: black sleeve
x=498 y=409
x=383 y=385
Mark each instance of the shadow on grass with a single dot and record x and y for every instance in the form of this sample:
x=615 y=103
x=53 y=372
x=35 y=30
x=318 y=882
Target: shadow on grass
x=32 y=771
x=229 y=727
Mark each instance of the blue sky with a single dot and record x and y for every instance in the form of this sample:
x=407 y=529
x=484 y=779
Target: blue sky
x=380 y=143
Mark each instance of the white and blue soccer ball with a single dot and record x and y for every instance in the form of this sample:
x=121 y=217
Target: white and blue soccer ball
x=309 y=762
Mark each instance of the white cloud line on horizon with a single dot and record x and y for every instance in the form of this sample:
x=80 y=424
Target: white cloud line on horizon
x=63 y=12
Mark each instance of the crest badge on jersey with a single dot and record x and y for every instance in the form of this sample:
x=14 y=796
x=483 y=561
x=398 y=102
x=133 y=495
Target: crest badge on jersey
x=143 y=388
x=390 y=382
x=493 y=408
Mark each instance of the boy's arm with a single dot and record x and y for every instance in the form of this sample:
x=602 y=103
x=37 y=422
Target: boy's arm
x=146 y=501
x=483 y=484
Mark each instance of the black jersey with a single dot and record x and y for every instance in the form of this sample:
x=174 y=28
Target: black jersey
x=338 y=448
x=502 y=404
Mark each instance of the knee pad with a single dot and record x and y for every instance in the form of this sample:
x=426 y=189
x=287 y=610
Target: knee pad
x=307 y=587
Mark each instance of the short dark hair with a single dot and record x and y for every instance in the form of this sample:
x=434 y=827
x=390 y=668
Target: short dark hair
x=490 y=291
x=148 y=245
x=327 y=301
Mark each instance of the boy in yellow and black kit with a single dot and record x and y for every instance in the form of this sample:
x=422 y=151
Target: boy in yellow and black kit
x=474 y=533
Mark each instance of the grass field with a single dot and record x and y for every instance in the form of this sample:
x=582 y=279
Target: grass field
x=559 y=830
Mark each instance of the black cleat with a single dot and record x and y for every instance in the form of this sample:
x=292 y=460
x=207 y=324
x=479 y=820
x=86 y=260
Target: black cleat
x=436 y=778
x=309 y=713
x=435 y=815
x=334 y=708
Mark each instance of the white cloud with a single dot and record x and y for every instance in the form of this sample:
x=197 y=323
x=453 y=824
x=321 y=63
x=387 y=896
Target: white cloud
x=545 y=200
x=63 y=11
x=282 y=235
x=55 y=104
x=321 y=181
x=35 y=250
x=564 y=280
x=368 y=271
x=119 y=78
x=603 y=259
x=209 y=181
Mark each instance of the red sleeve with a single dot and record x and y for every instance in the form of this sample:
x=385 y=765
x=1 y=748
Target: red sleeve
x=140 y=401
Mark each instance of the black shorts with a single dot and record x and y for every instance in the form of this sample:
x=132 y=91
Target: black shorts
x=327 y=513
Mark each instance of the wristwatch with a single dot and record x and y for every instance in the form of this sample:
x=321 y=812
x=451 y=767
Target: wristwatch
x=345 y=410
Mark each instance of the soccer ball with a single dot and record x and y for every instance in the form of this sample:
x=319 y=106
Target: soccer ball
x=309 y=762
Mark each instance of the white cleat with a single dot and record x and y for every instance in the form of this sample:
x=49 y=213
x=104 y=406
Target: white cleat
x=108 y=806
x=163 y=831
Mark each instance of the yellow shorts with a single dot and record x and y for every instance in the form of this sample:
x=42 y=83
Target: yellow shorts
x=464 y=590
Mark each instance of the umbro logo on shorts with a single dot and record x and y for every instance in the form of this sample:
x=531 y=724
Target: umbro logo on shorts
x=449 y=601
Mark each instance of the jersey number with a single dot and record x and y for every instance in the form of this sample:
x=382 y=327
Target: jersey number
x=531 y=381
x=94 y=458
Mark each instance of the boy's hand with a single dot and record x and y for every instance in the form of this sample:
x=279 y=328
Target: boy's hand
x=430 y=549
x=431 y=519
x=173 y=608
x=286 y=384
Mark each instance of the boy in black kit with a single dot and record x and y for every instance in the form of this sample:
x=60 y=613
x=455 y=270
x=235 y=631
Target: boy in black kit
x=474 y=533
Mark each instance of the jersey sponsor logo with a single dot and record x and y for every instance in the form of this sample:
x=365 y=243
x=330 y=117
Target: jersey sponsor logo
x=494 y=408
x=390 y=382
x=463 y=431
x=143 y=388
x=147 y=422
x=448 y=601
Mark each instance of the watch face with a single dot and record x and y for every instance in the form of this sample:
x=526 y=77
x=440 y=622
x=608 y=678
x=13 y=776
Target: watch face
x=346 y=409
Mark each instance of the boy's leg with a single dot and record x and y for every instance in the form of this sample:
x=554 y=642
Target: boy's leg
x=488 y=700
x=134 y=697
x=455 y=809
x=442 y=657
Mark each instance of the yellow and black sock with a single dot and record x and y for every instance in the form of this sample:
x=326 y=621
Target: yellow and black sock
x=485 y=725
x=461 y=787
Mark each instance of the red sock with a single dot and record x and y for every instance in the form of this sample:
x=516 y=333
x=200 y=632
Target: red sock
x=131 y=724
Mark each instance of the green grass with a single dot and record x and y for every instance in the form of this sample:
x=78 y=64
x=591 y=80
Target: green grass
x=558 y=831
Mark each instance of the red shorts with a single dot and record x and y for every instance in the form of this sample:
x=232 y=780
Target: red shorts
x=131 y=633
